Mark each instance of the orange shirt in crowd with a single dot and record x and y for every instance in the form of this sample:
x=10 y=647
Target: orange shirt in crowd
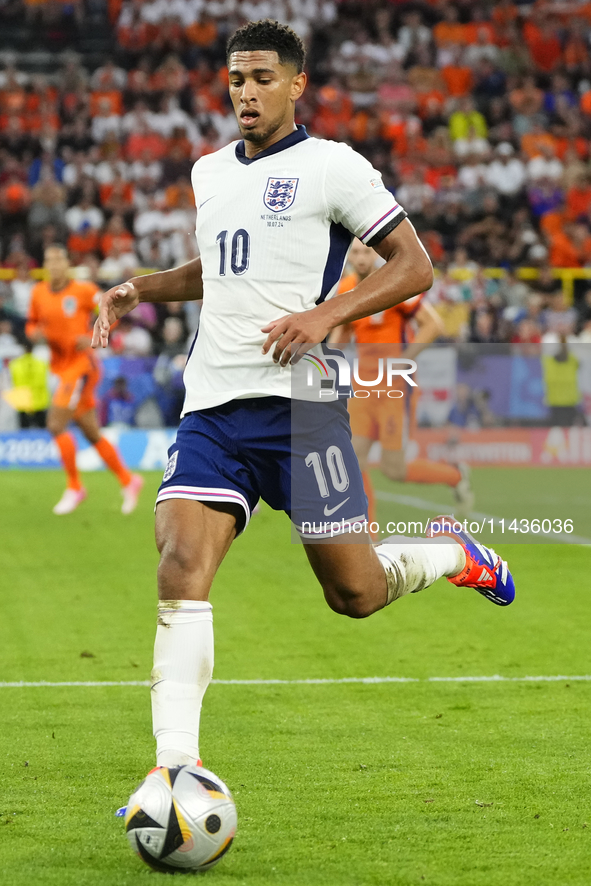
x=121 y=189
x=578 y=202
x=138 y=142
x=579 y=144
x=135 y=38
x=449 y=32
x=429 y=101
x=13 y=101
x=458 y=79
x=586 y=102
x=575 y=52
x=63 y=317
x=49 y=97
x=14 y=198
x=113 y=96
x=173 y=195
x=546 y=52
x=473 y=29
x=82 y=242
x=551 y=222
x=114 y=7
x=202 y=34
x=504 y=14
x=124 y=241
x=564 y=253
x=531 y=143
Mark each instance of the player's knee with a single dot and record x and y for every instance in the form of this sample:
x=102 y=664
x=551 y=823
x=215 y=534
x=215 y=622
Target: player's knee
x=350 y=601
x=181 y=571
x=54 y=425
x=178 y=558
x=92 y=436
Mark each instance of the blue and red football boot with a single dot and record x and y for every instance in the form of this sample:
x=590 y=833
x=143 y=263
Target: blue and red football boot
x=484 y=571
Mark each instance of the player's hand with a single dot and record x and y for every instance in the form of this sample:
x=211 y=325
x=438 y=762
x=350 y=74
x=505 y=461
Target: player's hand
x=113 y=304
x=290 y=334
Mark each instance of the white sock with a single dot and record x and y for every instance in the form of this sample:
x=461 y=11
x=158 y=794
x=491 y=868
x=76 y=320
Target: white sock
x=412 y=565
x=183 y=665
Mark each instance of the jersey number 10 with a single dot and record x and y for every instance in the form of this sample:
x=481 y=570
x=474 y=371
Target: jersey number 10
x=240 y=254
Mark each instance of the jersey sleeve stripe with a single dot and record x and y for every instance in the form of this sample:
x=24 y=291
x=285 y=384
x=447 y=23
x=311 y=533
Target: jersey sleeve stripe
x=379 y=222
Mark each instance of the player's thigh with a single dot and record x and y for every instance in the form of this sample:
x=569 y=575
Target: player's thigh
x=392 y=464
x=69 y=389
x=58 y=419
x=192 y=538
x=88 y=423
x=351 y=575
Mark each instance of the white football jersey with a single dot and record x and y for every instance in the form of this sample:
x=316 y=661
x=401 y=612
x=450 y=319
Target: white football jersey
x=273 y=233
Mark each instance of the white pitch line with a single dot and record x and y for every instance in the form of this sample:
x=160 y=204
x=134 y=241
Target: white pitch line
x=421 y=504
x=495 y=678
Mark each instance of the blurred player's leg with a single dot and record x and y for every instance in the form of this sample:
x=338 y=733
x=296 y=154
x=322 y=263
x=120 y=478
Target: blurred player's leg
x=58 y=420
x=131 y=484
x=192 y=539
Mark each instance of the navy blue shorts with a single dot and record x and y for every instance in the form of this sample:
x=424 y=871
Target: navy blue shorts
x=297 y=456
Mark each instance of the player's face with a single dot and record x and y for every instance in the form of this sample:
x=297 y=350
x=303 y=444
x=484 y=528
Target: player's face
x=263 y=92
x=56 y=265
x=362 y=259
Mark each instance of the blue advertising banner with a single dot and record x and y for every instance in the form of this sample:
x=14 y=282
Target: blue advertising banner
x=143 y=450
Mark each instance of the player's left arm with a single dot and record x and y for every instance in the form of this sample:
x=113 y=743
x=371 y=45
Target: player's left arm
x=430 y=327
x=407 y=272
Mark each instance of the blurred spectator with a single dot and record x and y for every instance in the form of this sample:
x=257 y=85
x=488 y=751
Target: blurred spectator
x=30 y=390
x=48 y=205
x=168 y=372
x=545 y=165
x=129 y=340
x=117 y=405
x=559 y=318
x=561 y=385
x=470 y=409
x=506 y=174
x=467 y=120
x=21 y=286
x=9 y=345
x=84 y=215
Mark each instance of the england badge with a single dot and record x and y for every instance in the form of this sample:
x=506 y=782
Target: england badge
x=280 y=193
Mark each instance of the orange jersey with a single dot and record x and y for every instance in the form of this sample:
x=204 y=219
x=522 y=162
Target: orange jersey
x=63 y=317
x=387 y=327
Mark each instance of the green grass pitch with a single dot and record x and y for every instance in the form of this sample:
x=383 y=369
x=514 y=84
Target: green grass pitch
x=474 y=784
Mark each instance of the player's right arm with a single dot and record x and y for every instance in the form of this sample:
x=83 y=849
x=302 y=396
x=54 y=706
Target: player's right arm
x=184 y=283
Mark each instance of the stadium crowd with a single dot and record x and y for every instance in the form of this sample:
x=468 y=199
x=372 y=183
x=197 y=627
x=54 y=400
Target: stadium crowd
x=478 y=114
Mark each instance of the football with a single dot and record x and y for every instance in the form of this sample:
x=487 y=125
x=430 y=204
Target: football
x=181 y=819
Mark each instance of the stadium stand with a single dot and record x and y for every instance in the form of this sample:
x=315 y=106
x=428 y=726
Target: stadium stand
x=477 y=113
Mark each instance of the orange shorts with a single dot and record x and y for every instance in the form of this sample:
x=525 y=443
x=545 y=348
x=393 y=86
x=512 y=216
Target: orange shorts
x=380 y=418
x=76 y=389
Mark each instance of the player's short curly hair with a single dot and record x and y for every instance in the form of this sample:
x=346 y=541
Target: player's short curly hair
x=271 y=36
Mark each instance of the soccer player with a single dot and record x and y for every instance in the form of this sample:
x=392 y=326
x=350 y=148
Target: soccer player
x=276 y=215
x=61 y=313
x=385 y=420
